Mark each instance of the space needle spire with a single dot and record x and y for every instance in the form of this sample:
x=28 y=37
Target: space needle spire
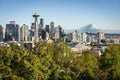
x=36 y=15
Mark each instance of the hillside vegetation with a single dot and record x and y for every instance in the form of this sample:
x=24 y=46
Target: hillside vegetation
x=56 y=61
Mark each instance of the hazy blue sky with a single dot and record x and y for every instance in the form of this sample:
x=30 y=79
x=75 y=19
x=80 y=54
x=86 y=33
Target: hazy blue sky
x=70 y=14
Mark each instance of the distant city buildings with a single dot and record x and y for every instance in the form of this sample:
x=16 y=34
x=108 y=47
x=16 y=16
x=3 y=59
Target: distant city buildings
x=12 y=31
x=40 y=32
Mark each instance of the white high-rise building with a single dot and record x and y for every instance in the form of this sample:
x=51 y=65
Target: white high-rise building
x=59 y=32
x=101 y=36
x=24 y=32
x=83 y=37
x=76 y=36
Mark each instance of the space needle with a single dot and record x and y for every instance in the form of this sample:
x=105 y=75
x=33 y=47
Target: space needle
x=36 y=15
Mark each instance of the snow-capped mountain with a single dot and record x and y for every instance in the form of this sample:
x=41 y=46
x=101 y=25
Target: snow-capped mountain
x=91 y=28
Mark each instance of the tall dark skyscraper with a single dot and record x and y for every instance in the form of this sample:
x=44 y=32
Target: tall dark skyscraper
x=32 y=26
x=41 y=25
x=1 y=33
x=17 y=32
x=47 y=28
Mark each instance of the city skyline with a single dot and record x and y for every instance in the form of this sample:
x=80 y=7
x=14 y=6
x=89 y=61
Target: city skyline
x=69 y=14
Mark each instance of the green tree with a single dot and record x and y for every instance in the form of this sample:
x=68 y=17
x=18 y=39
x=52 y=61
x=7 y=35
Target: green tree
x=110 y=62
x=87 y=64
x=45 y=53
x=22 y=63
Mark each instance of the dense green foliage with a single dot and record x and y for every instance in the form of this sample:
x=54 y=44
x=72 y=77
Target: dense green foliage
x=56 y=61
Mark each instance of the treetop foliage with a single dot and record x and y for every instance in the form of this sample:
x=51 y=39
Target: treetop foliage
x=56 y=61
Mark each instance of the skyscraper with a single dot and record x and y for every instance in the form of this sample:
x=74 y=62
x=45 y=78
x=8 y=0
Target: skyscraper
x=43 y=34
x=52 y=30
x=24 y=32
x=58 y=32
x=101 y=36
x=32 y=26
x=12 y=31
x=41 y=25
x=36 y=15
x=17 y=33
x=47 y=28
x=1 y=33
x=76 y=36
x=83 y=37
